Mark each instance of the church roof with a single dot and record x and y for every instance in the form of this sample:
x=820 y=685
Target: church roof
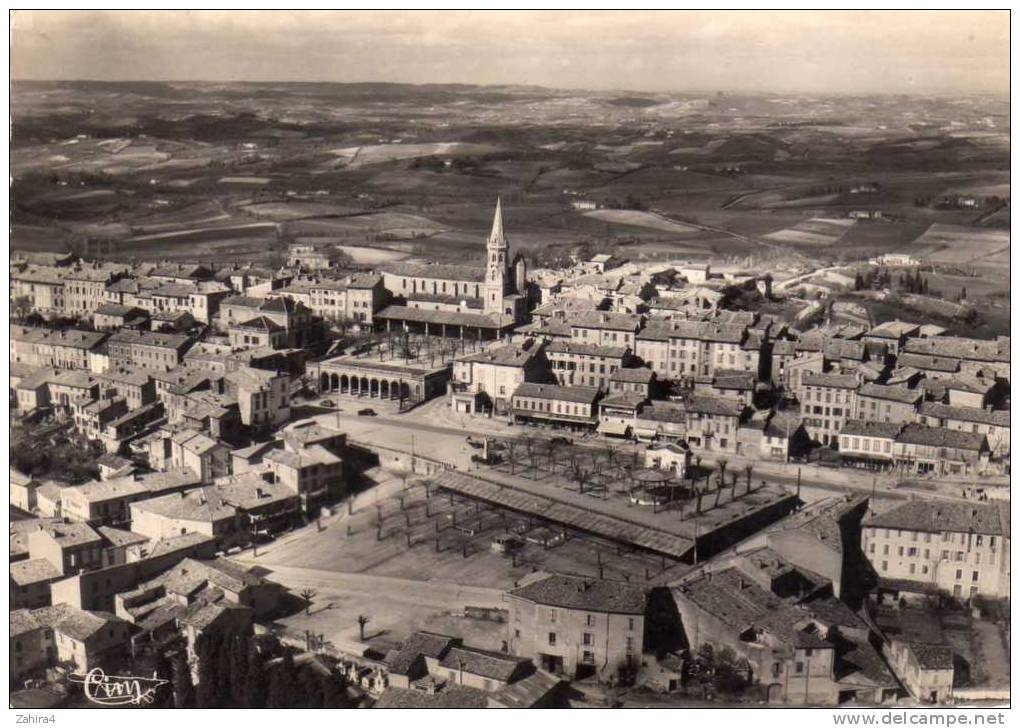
x=497 y=235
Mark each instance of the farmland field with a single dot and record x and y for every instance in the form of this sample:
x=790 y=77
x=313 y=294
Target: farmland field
x=942 y=243
x=816 y=232
x=638 y=218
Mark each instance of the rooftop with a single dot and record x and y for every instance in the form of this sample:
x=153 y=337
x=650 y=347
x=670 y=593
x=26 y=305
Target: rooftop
x=945 y=516
x=586 y=594
x=581 y=395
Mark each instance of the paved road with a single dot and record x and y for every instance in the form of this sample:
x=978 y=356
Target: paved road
x=425 y=594
x=447 y=442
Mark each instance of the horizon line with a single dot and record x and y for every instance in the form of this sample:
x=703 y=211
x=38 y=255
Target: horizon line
x=713 y=92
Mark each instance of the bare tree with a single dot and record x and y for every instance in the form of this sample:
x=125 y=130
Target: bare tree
x=722 y=463
x=307 y=595
x=748 y=471
x=362 y=621
x=511 y=454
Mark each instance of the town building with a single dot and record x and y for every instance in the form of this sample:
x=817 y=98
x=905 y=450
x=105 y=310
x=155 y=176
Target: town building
x=573 y=407
x=485 y=381
x=155 y=351
x=580 y=363
x=886 y=403
x=827 y=401
x=578 y=626
x=960 y=549
x=63 y=635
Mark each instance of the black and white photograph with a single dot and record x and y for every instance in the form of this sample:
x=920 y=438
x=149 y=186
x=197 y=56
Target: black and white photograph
x=549 y=359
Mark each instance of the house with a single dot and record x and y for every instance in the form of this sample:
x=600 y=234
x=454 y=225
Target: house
x=939 y=451
x=485 y=381
x=827 y=401
x=824 y=538
x=802 y=645
x=577 y=363
x=604 y=328
x=632 y=380
x=993 y=424
x=23 y=490
x=62 y=634
x=668 y=456
x=869 y=445
x=926 y=670
x=959 y=549
x=113 y=316
x=263 y=397
x=887 y=403
x=574 y=406
x=30 y=583
x=974 y=355
x=68 y=547
x=578 y=626
x=155 y=351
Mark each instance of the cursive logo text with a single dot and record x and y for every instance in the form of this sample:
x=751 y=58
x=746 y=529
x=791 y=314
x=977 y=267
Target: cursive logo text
x=104 y=689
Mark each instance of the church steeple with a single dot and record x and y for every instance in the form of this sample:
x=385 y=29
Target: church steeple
x=496 y=237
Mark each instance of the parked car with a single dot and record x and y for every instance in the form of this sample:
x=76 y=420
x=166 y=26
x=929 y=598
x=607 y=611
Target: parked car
x=327 y=403
x=367 y=412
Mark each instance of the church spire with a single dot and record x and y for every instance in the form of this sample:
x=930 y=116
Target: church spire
x=496 y=237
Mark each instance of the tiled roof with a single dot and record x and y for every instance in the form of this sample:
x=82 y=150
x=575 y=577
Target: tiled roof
x=868 y=428
x=33 y=571
x=917 y=434
x=709 y=405
x=419 y=644
x=606 y=320
x=593 y=595
x=836 y=381
x=927 y=362
x=446 y=697
x=961 y=348
x=582 y=395
x=492 y=665
x=451 y=318
x=932 y=657
x=584 y=349
x=939 y=516
x=892 y=393
x=70 y=534
x=636 y=375
x=474 y=274
x=999 y=418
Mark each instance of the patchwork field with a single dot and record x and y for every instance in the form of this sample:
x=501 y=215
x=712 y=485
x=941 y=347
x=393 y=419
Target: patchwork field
x=638 y=218
x=354 y=157
x=943 y=243
x=817 y=231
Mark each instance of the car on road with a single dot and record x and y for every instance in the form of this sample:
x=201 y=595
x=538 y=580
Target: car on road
x=367 y=412
x=327 y=403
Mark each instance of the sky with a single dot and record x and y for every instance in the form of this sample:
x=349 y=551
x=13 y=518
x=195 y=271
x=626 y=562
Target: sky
x=928 y=52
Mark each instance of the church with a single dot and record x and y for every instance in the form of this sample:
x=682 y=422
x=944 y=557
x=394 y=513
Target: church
x=459 y=301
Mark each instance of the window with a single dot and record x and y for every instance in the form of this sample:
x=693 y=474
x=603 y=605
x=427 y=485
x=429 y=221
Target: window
x=552 y=639
x=798 y=668
x=589 y=620
x=588 y=639
x=630 y=623
x=959 y=574
x=974 y=576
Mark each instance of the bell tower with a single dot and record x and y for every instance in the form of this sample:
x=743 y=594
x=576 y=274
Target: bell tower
x=497 y=274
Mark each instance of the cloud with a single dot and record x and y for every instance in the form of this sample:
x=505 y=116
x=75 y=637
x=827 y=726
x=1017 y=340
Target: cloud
x=837 y=51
